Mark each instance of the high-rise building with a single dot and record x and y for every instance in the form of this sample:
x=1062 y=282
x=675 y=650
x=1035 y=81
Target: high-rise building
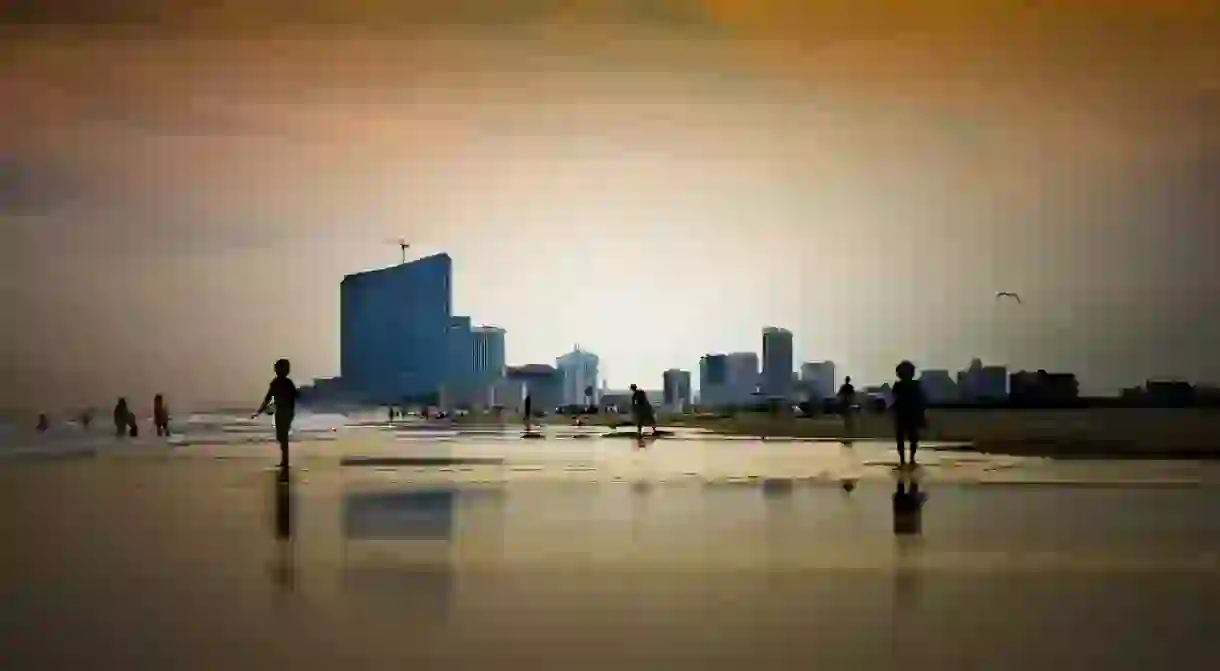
x=394 y=330
x=743 y=379
x=459 y=379
x=675 y=388
x=579 y=371
x=777 y=362
x=819 y=379
x=713 y=379
x=488 y=362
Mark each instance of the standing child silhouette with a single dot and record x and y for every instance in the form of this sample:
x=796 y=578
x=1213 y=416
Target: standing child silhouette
x=284 y=393
x=908 y=409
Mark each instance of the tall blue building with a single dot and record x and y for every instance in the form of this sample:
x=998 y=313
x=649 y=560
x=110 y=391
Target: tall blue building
x=395 y=330
x=459 y=379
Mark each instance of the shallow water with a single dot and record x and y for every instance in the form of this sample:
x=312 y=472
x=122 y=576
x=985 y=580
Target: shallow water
x=179 y=559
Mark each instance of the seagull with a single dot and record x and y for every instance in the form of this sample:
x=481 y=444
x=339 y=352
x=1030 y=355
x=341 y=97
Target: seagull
x=1007 y=294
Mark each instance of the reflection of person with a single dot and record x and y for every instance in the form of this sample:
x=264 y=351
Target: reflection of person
x=642 y=410
x=284 y=393
x=908 y=410
x=908 y=508
x=284 y=569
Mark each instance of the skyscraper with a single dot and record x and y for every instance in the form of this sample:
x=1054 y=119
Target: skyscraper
x=459 y=377
x=394 y=330
x=743 y=378
x=675 y=386
x=579 y=371
x=489 y=352
x=777 y=362
x=713 y=379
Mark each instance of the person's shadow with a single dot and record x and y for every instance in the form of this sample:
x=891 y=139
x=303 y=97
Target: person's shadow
x=284 y=570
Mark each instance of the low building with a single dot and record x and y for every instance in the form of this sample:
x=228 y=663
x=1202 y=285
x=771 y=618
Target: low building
x=1043 y=388
x=938 y=386
x=541 y=382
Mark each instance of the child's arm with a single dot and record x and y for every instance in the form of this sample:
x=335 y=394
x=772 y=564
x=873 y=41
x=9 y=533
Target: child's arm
x=263 y=406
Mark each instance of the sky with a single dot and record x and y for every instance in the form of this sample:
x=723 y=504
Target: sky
x=184 y=184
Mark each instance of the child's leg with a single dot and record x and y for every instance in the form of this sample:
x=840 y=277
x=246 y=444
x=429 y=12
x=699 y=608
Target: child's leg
x=281 y=434
x=900 y=432
x=914 y=434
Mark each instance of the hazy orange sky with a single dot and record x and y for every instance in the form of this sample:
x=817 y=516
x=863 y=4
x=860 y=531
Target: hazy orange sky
x=182 y=190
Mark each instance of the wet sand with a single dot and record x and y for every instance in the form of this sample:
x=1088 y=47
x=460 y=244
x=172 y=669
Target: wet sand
x=600 y=556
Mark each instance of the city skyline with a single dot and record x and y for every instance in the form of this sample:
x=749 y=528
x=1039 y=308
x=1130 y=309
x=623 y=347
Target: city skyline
x=178 y=208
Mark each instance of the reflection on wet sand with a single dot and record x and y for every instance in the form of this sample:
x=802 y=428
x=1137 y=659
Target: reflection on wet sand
x=284 y=570
x=908 y=501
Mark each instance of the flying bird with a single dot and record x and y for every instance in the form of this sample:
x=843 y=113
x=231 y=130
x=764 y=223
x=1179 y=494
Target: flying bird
x=1007 y=294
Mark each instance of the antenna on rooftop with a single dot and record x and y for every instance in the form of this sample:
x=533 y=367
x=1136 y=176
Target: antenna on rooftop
x=402 y=245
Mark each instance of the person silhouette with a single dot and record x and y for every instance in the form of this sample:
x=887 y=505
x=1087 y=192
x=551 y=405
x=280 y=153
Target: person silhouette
x=529 y=412
x=133 y=430
x=847 y=405
x=909 y=411
x=160 y=415
x=121 y=418
x=284 y=393
x=642 y=409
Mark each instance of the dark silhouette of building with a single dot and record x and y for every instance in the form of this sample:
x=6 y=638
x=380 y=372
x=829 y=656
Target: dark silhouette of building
x=1169 y=393
x=395 y=329
x=938 y=386
x=983 y=384
x=1043 y=388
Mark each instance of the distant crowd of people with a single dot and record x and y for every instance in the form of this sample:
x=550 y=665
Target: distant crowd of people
x=125 y=424
x=280 y=400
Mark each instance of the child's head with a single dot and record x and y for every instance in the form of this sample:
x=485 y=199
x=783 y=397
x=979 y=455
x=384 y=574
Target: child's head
x=282 y=368
x=905 y=370
x=633 y=387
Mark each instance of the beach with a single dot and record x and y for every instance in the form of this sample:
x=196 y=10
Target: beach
x=694 y=552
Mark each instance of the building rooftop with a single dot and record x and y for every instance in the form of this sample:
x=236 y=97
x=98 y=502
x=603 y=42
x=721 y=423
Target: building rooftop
x=415 y=263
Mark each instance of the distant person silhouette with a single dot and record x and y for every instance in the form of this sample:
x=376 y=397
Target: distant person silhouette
x=132 y=429
x=908 y=508
x=529 y=411
x=160 y=415
x=121 y=419
x=847 y=406
x=642 y=409
x=284 y=393
x=43 y=423
x=909 y=408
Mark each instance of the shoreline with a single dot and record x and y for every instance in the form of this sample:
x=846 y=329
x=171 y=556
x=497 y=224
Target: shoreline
x=1119 y=434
